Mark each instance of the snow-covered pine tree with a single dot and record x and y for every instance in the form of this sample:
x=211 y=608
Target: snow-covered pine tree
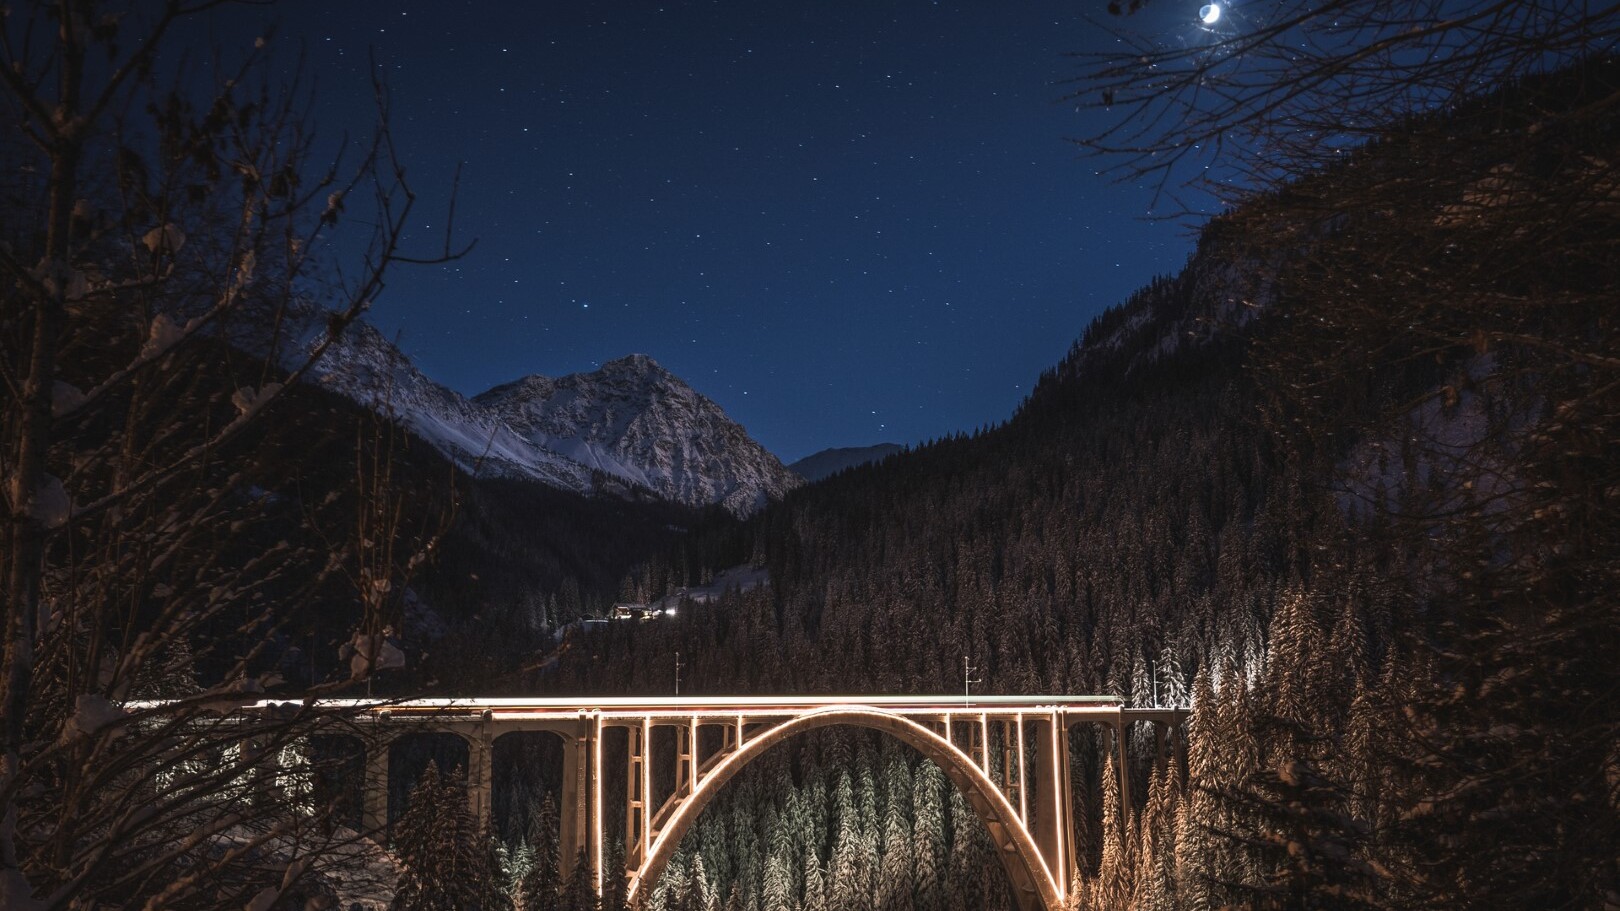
x=929 y=850
x=777 y=894
x=969 y=855
x=815 y=890
x=1154 y=886
x=1229 y=872
x=542 y=881
x=1287 y=818
x=785 y=839
x=844 y=886
x=613 y=884
x=445 y=857
x=699 y=895
x=1295 y=648
x=896 y=880
x=494 y=893
x=1196 y=852
x=515 y=863
x=1116 y=873
x=866 y=795
x=1172 y=680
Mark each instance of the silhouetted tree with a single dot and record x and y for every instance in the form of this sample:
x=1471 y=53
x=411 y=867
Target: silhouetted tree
x=160 y=232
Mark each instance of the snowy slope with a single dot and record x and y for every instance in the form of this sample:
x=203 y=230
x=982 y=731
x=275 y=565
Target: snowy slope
x=366 y=367
x=631 y=428
x=634 y=420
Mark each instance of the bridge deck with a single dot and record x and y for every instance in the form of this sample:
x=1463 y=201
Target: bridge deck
x=514 y=707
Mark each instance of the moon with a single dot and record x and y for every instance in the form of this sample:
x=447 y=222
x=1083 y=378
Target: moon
x=1210 y=13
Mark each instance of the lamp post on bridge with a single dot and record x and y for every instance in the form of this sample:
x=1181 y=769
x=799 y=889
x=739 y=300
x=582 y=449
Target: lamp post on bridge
x=967 y=681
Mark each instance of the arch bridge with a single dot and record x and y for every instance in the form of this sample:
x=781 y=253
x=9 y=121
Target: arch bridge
x=1008 y=755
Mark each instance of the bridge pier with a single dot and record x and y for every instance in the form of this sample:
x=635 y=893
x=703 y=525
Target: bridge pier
x=1122 y=768
x=579 y=810
x=374 y=791
x=481 y=774
x=638 y=792
x=1049 y=822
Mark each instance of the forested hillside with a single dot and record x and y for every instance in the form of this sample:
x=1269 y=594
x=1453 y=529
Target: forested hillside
x=1119 y=535
x=1314 y=486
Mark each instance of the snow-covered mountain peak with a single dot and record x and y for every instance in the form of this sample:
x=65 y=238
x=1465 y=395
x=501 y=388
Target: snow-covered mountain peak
x=635 y=365
x=629 y=374
x=629 y=425
x=634 y=420
x=534 y=385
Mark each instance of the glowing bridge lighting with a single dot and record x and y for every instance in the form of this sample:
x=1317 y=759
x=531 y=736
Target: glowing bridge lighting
x=1034 y=833
x=1209 y=13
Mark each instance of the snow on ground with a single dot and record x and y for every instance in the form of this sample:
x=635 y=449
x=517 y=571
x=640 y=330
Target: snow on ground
x=741 y=578
x=361 y=874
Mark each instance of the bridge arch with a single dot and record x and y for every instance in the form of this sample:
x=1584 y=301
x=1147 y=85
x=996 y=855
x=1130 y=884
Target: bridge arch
x=1033 y=884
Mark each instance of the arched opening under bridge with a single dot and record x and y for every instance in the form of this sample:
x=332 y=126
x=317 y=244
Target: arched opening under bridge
x=1034 y=885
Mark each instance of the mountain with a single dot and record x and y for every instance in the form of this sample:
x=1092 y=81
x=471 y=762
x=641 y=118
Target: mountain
x=631 y=429
x=366 y=367
x=828 y=462
x=635 y=421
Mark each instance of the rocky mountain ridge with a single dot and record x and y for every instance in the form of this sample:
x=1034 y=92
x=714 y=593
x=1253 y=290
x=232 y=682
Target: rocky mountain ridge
x=633 y=420
x=629 y=429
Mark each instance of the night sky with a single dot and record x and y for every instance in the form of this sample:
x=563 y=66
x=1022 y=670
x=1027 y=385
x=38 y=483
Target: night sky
x=845 y=222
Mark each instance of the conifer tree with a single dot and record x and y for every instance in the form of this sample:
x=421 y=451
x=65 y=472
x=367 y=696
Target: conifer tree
x=1196 y=820
x=542 y=881
x=514 y=864
x=815 y=891
x=1154 y=889
x=446 y=860
x=579 y=892
x=969 y=855
x=777 y=893
x=613 y=883
x=784 y=839
x=493 y=883
x=1171 y=688
x=1348 y=645
x=928 y=847
x=1117 y=869
x=897 y=868
x=698 y=895
x=844 y=886
x=815 y=811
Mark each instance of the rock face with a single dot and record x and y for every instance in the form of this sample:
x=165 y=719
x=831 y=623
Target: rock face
x=636 y=421
x=631 y=428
